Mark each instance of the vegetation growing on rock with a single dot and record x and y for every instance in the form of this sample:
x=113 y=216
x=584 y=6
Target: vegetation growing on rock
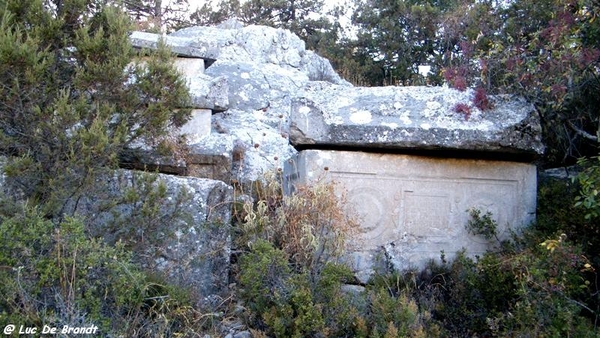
x=73 y=96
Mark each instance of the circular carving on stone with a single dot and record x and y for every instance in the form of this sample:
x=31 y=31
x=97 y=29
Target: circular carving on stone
x=367 y=204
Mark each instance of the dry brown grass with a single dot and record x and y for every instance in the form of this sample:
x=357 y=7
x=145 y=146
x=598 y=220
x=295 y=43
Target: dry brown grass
x=311 y=226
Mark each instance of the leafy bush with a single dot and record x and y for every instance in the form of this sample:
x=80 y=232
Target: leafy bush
x=589 y=182
x=482 y=225
x=550 y=284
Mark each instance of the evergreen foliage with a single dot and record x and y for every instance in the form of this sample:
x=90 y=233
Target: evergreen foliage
x=157 y=15
x=73 y=96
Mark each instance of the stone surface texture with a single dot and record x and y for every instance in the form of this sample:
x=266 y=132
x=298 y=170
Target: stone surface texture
x=252 y=75
x=193 y=249
x=411 y=208
x=411 y=118
x=198 y=126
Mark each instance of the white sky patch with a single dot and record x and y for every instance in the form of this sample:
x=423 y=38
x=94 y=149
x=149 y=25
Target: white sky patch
x=424 y=70
x=345 y=20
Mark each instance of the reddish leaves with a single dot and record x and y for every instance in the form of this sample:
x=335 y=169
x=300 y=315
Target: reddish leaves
x=463 y=109
x=481 y=100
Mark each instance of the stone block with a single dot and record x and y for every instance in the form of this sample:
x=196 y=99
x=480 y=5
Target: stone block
x=211 y=158
x=198 y=126
x=178 y=45
x=411 y=208
x=400 y=118
x=213 y=166
x=190 y=67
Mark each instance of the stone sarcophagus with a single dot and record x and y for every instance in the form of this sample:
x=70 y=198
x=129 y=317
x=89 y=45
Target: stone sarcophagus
x=410 y=208
x=412 y=167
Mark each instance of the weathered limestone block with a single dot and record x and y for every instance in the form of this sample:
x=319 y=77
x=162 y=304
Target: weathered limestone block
x=205 y=91
x=192 y=248
x=251 y=75
x=148 y=159
x=258 y=144
x=211 y=158
x=414 y=207
x=198 y=126
x=190 y=67
x=254 y=86
x=210 y=92
x=179 y=45
x=411 y=118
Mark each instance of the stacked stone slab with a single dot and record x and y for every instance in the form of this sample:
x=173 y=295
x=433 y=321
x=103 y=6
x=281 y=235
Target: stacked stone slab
x=208 y=96
x=247 y=77
x=412 y=166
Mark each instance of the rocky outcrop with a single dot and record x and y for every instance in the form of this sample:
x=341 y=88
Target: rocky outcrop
x=187 y=237
x=177 y=226
x=268 y=94
x=250 y=77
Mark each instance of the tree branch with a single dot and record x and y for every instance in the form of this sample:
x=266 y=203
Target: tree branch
x=582 y=132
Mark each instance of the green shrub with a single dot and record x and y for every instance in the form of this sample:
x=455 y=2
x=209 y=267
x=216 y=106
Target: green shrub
x=264 y=276
x=84 y=95
x=589 y=183
x=482 y=225
x=550 y=285
x=288 y=303
x=55 y=275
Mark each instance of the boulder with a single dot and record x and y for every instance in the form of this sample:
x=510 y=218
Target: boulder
x=187 y=239
x=403 y=118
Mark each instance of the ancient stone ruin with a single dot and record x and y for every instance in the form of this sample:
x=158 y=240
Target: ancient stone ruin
x=411 y=163
x=413 y=166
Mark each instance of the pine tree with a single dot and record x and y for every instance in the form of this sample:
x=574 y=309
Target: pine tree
x=157 y=15
x=72 y=95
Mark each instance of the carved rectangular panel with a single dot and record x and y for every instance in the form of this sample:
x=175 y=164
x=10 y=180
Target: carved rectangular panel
x=411 y=208
x=426 y=215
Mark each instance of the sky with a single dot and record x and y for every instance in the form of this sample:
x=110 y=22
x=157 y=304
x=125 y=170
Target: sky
x=328 y=4
x=194 y=4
